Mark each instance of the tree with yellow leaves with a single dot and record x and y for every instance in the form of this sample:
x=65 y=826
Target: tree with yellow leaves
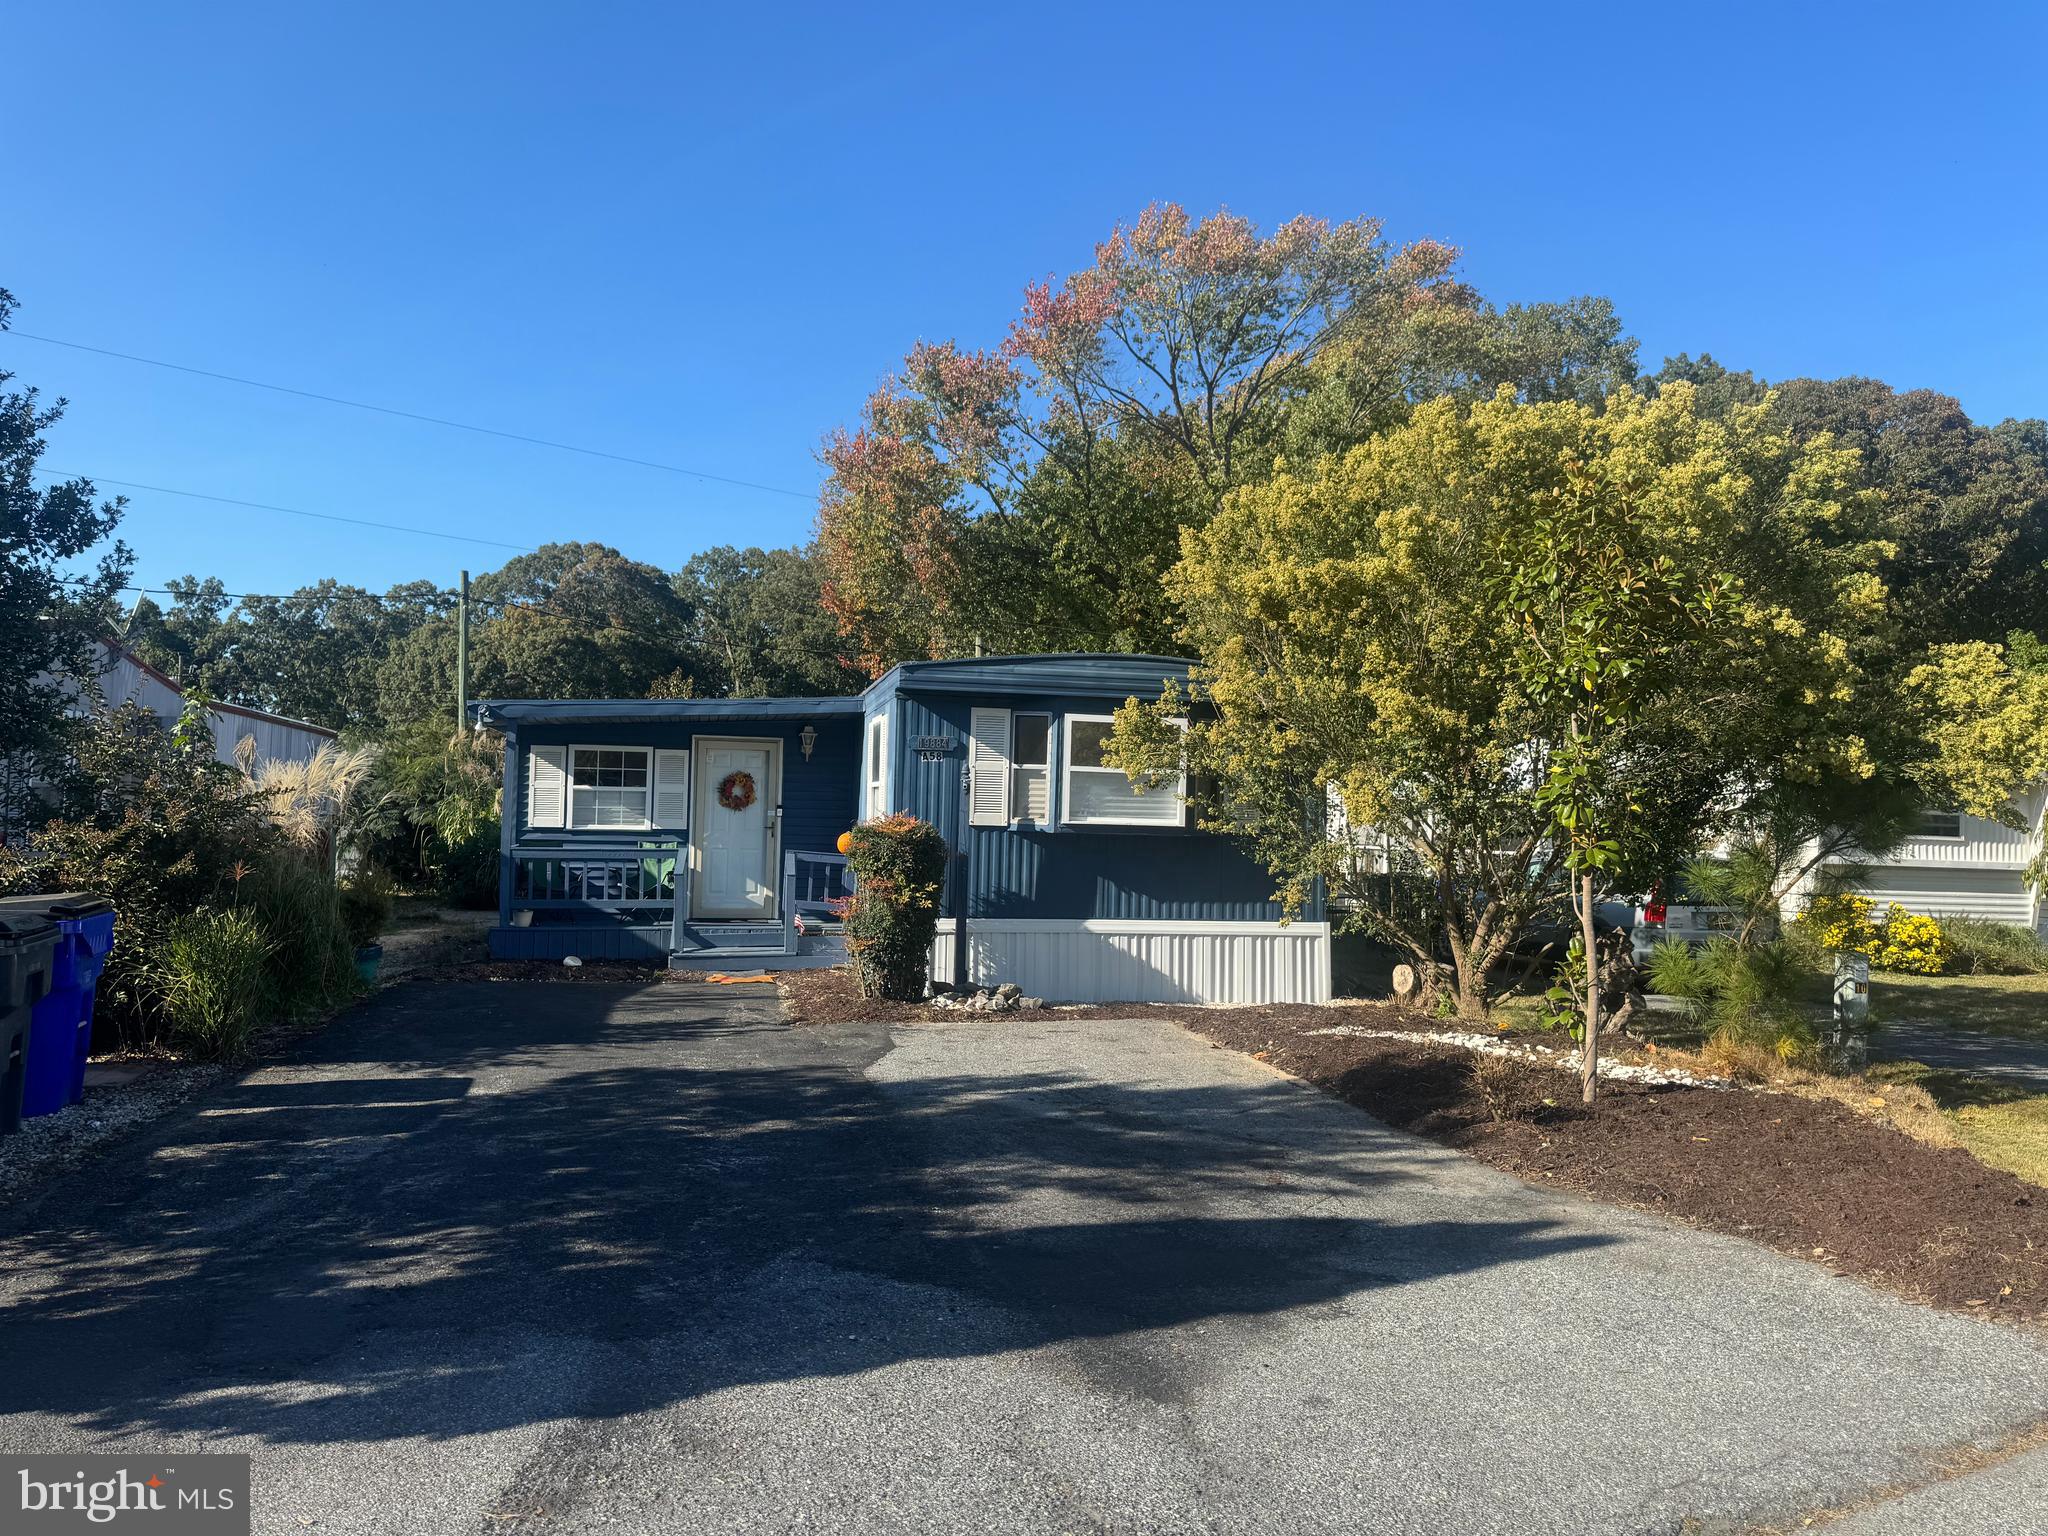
x=1520 y=640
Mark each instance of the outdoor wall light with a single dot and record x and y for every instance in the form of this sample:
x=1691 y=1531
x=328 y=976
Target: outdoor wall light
x=809 y=737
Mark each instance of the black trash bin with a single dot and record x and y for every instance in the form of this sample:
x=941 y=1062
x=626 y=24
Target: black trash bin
x=28 y=946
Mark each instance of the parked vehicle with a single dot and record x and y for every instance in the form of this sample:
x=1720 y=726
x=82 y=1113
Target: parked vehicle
x=1657 y=921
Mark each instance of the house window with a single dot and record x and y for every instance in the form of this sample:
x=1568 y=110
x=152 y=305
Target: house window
x=878 y=768
x=1031 y=768
x=1098 y=795
x=608 y=787
x=1941 y=824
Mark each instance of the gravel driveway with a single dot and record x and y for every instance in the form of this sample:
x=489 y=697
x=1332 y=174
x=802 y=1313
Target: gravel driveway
x=531 y=1257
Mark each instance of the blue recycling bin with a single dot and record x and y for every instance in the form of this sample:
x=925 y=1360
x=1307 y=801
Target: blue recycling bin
x=60 y=1025
x=28 y=945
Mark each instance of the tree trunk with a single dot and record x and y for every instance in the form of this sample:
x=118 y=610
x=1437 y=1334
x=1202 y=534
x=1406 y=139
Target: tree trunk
x=1472 y=993
x=1589 y=1072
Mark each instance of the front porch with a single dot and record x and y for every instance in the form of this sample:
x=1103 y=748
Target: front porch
x=630 y=900
x=680 y=831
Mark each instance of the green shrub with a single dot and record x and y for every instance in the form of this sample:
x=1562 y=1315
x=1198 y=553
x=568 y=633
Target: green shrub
x=157 y=826
x=1756 y=1000
x=1746 y=995
x=430 y=816
x=365 y=906
x=216 y=975
x=313 y=961
x=1977 y=946
x=899 y=865
x=1679 y=970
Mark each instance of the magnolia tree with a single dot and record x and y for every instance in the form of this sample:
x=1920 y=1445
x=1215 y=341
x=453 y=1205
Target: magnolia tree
x=1522 y=641
x=1033 y=494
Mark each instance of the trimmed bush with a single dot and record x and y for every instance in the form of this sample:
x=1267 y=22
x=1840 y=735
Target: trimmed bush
x=899 y=866
x=216 y=974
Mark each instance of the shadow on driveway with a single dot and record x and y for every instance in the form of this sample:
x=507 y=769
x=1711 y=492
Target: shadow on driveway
x=460 y=1208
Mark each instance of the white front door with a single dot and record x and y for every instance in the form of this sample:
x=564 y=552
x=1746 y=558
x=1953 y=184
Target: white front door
x=738 y=785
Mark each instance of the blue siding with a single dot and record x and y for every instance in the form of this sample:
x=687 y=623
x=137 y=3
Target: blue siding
x=1062 y=872
x=819 y=797
x=1053 y=872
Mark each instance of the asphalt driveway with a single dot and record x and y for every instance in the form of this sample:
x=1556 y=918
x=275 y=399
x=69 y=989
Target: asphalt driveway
x=528 y=1257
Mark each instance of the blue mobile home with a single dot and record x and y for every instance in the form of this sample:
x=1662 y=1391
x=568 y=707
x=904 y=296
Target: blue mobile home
x=701 y=830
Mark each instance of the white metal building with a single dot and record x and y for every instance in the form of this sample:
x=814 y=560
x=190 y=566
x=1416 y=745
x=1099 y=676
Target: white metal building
x=127 y=679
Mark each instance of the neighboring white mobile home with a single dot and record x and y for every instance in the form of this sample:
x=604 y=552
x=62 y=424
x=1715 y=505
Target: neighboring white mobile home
x=1957 y=864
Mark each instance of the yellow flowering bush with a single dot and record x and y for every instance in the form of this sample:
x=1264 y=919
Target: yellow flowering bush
x=1897 y=941
x=1911 y=942
x=1843 y=923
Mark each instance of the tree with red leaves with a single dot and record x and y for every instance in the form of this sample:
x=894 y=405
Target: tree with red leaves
x=1032 y=495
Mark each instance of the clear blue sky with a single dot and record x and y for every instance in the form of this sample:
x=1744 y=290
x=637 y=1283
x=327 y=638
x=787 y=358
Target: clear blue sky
x=700 y=234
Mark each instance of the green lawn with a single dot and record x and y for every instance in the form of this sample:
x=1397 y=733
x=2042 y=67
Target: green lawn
x=1998 y=1005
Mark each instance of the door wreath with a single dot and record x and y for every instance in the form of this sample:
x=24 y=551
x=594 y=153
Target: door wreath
x=736 y=791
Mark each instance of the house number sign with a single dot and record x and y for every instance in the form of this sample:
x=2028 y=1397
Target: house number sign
x=932 y=749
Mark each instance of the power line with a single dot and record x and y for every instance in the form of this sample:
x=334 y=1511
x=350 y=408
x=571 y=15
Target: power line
x=264 y=506
x=438 y=421
x=258 y=597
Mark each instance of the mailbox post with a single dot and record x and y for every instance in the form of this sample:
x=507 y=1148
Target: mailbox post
x=1849 y=1039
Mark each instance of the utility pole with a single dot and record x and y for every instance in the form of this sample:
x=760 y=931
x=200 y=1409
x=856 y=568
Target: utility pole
x=462 y=657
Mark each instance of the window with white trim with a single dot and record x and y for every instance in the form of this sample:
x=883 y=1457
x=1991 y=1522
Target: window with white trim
x=609 y=786
x=1095 y=794
x=1946 y=825
x=877 y=798
x=1031 y=768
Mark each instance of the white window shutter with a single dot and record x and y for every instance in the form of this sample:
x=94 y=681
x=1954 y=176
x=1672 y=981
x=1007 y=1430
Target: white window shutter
x=671 y=789
x=547 y=786
x=988 y=758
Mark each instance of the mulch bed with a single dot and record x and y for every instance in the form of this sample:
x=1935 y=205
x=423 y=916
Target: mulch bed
x=829 y=997
x=1808 y=1177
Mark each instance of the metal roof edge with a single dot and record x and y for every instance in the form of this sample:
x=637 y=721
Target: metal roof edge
x=489 y=711
x=1073 y=671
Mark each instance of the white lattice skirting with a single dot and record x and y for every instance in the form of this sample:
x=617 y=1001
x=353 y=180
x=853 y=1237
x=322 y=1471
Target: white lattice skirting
x=1129 y=961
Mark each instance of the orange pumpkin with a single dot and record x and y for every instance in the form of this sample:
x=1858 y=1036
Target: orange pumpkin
x=846 y=842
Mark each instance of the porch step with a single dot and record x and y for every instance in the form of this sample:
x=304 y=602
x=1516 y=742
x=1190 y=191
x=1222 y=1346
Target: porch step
x=815 y=952
x=726 y=938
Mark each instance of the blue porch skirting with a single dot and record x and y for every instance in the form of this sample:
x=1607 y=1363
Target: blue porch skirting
x=557 y=941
